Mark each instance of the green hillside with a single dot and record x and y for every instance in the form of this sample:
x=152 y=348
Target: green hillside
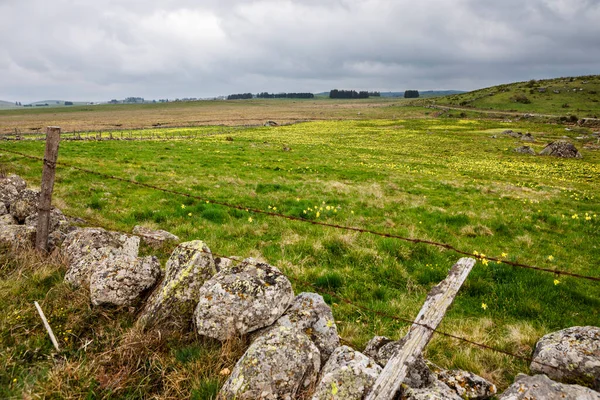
x=578 y=96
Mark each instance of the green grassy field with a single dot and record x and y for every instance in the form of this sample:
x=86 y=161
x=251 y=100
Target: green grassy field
x=446 y=180
x=578 y=96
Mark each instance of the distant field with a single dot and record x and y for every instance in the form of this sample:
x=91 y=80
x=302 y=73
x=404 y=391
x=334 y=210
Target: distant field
x=440 y=179
x=578 y=96
x=233 y=112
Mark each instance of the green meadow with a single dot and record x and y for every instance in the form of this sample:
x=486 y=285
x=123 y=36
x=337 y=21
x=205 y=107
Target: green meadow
x=447 y=180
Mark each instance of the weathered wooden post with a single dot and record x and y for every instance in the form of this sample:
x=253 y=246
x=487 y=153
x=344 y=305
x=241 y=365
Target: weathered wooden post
x=431 y=314
x=48 y=173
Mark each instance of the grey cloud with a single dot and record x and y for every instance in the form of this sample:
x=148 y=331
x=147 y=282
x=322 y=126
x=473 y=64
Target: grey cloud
x=176 y=48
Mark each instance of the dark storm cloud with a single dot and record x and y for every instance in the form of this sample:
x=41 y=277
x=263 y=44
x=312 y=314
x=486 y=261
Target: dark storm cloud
x=177 y=48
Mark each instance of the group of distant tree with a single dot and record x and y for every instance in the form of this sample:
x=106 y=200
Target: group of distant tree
x=411 y=94
x=352 y=94
x=266 y=95
x=239 y=96
x=18 y=103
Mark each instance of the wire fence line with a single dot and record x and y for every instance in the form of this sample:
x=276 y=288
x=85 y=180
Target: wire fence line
x=250 y=209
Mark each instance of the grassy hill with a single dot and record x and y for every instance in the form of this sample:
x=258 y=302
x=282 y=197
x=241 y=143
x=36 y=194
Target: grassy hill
x=578 y=96
x=7 y=104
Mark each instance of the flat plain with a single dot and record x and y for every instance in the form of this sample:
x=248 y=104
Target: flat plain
x=380 y=164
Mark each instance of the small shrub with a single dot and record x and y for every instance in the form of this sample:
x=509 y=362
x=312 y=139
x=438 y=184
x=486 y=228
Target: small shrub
x=520 y=98
x=565 y=105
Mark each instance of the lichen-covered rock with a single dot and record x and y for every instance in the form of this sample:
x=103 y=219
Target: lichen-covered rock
x=575 y=352
x=3 y=208
x=437 y=391
x=468 y=385
x=561 y=148
x=347 y=375
x=525 y=150
x=17 y=236
x=57 y=220
x=14 y=180
x=278 y=365
x=8 y=219
x=10 y=187
x=154 y=237
x=172 y=304
x=542 y=387
x=381 y=349
x=120 y=280
x=241 y=299
x=310 y=314
x=84 y=247
x=25 y=205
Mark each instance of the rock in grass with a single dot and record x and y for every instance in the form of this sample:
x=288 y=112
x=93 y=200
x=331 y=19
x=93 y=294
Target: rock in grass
x=575 y=352
x=17 y=236
x=84 y=246
x=525 y=150
x=347 y=375
x=10 y=187
x=121 y=280
x=172 y=304
x=310 y=314
x=278 y=365
x=542 y=387
x=154 y=237
x=241 y=299
x=25 y=204
x=561 y=148
x=468 y=385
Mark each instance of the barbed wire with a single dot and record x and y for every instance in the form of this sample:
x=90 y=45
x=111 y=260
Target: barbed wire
x=313 y=222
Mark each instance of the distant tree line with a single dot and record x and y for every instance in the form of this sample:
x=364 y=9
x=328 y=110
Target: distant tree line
x=352 y=94
x=239 y=96
x=266 y=95
x=411 y=94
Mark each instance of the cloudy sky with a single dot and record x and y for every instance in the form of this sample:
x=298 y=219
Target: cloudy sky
x=102 y=49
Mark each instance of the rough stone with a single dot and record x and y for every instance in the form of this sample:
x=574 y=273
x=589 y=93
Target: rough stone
x=8 y=219
x=575 y=352
x=527 y=137
x=8 y=193
x=172 y=304
x=347 y=375
x=525 y=150
x=561 y=148
x=310 y=314
x=437 y=391
x=17 y=236
x=25 y=204
x=468 y=385
x=84 y=246
x=120 y=280
x=241 y=299
x=57 y=221
x=542 y=387
x=278 y=365
x=154 y=237
x=14 y=180
x=3 y=208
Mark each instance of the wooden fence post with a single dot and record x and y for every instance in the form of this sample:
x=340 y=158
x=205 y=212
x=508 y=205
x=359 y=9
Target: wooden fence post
x=48 y=173
x=431 y=314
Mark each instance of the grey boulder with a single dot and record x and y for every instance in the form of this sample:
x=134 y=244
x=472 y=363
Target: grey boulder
x=172 y=304
x=542 y=387
x=281 y=364
x=436 y=391
x=468 y=385
x=17 y=236
x=10 y=187
x=575 y=354
x=3 y=208
x=241 y=299
x=347 y=375
x=525 y=150
x=122 y=279
x=561 y=148
x=8 y=219
x=25 y=205
x=154 y=237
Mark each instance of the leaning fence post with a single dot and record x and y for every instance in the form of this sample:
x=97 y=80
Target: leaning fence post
x=45 y=200
x=431 y=314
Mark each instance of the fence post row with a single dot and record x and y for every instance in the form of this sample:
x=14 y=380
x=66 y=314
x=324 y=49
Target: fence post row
x=431 y=314
x=45 y=200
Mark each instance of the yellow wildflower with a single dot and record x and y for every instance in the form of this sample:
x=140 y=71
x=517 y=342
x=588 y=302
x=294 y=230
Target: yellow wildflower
x=556 y=282
x=249 y=219
x=484 y=306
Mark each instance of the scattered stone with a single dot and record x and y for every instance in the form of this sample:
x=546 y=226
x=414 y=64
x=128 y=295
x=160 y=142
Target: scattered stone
x=8 y=219
x=84 y=247
x=271 y=123
x=278 y=365
x=542 y=387
x=310 y=314
x=25 y=204
x=525 y=150
x=17 y=236
x=561 y=148
x=172 y=304
x=3 y=209
x=241 y=299
x=154 y=237
x=437 y=391
x=121 y=280
x=575 y=352
x=512 y=133
x=468 y=385
x=348 y=375
x=527 y=137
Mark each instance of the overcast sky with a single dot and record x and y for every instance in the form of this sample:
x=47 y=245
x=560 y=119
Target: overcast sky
x=103 y=49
